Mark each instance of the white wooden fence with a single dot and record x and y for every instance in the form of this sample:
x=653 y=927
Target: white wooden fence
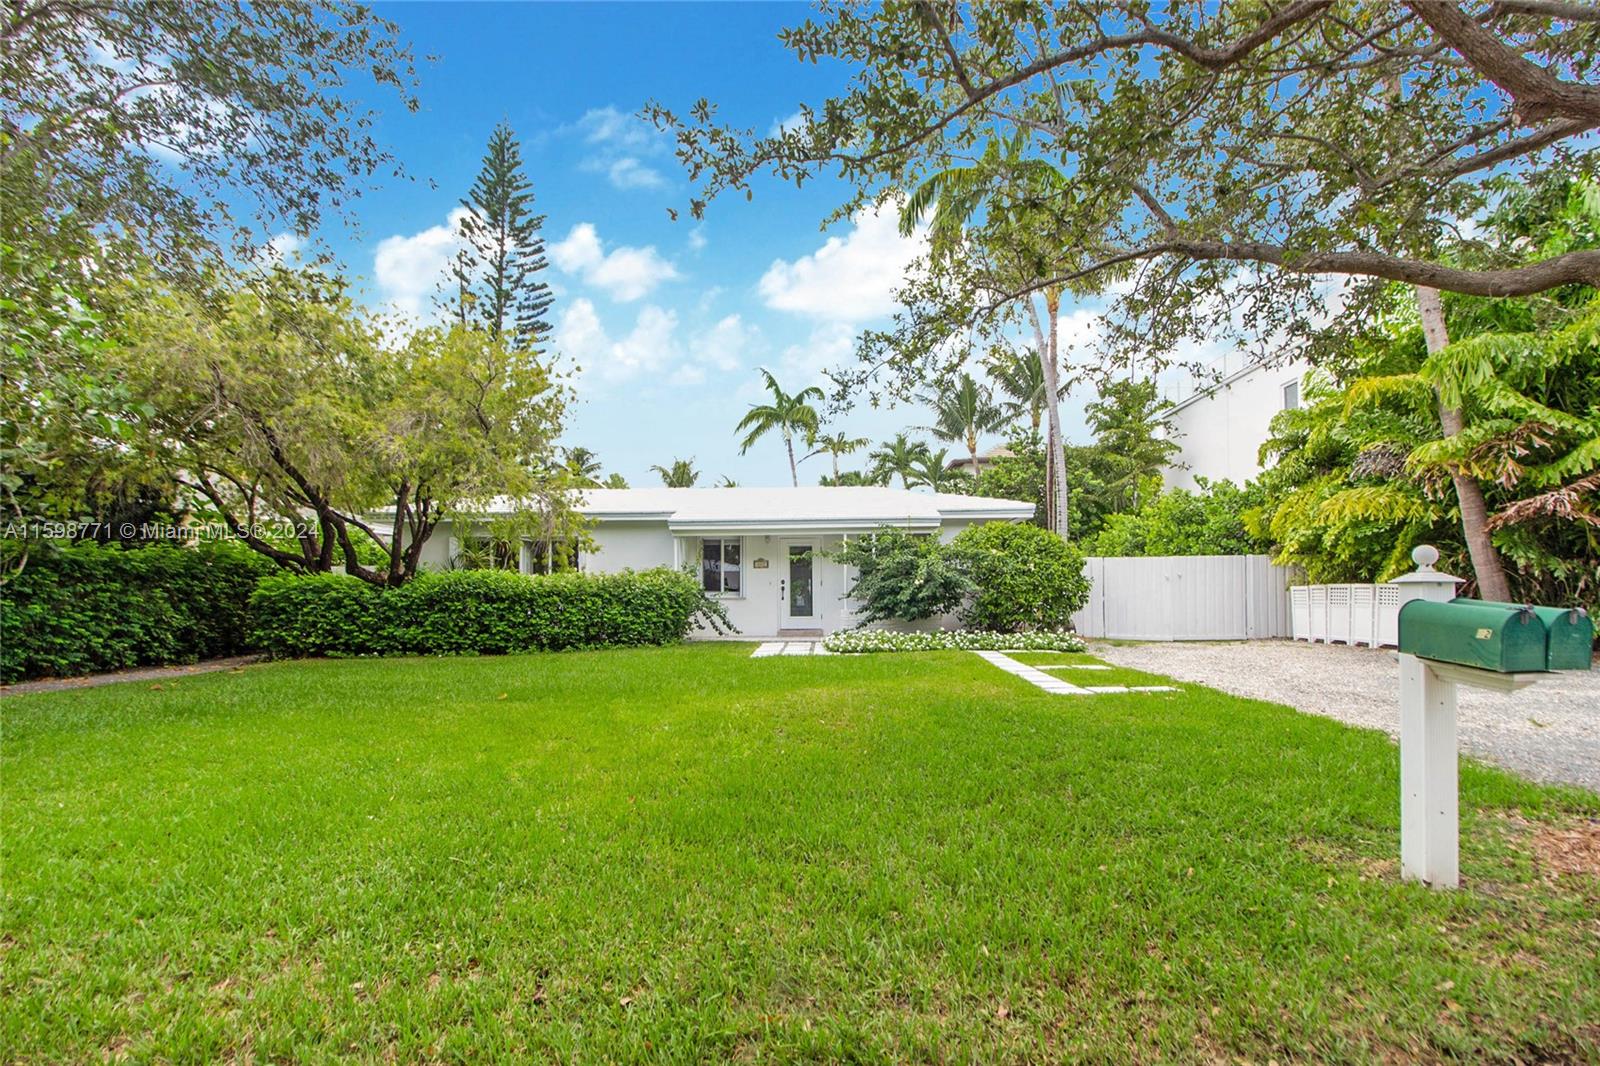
x=1185 y=597
x=1345 y=614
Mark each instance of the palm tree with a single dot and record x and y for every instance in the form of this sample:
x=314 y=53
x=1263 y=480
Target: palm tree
x=930 y=469
x=680 y=475
x=897 y=457
x=1020 y=375
x=584 y=466
x=615 y=481
x=836 y=445
x=786 y=414
x=726 y=482
x=963 y=414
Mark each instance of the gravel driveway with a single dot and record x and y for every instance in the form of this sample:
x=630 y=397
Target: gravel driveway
x=1550 y=732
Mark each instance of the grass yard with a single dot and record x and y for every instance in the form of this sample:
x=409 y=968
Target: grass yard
x=686 y=854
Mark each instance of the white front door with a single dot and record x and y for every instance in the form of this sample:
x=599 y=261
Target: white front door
x=797 y=586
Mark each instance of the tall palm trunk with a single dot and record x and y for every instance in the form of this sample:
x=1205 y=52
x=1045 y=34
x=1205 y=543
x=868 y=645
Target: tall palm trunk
x=1486 y=566
x=972 y=450
x=794 y=471
x=1055 y=489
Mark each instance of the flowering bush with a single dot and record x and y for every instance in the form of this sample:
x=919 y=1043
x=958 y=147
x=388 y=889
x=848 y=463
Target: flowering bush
x=877 y=640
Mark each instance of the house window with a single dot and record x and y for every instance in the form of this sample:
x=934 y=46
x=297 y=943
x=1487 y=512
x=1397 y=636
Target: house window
x=719 y=565
x=486 y=553
x=1291 y=395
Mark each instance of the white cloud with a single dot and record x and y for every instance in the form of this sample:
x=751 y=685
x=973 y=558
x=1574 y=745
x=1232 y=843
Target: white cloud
x=409 y=269
x=849 y=279
x=697 y=238
x=280 y=249
x=721 y=348
x=629 y=173
x=831 y=344
x=783 y=125
x=651 y=345
x=619 y=141
x=625 y=273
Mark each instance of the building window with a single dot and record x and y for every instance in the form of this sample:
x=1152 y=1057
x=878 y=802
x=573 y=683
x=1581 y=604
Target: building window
x=719 y=565
x=1291 y=396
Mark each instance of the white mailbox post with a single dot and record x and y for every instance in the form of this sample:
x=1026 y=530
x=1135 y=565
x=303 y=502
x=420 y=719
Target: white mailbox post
x=1430 y=818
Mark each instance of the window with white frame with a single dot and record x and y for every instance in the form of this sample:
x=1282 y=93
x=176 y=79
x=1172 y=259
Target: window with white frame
x=1291 y=395
x=719 y=565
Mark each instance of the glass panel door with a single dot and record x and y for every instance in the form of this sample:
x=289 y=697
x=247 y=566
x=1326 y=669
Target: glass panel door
x=799 y=605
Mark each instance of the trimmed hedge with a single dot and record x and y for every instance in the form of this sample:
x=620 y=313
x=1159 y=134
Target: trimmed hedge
x=90 y=608
x=476 y=612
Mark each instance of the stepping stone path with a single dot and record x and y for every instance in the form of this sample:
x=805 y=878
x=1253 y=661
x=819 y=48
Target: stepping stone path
x=1038 y=678
x=789 y=647
x=1032 y=674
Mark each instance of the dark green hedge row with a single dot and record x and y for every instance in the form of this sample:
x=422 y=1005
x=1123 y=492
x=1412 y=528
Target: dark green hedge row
x=475 y=611
x=90 y=608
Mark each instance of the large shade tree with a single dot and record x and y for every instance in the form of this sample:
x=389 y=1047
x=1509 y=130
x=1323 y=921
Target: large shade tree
x=319 y=442
x=1224 y=160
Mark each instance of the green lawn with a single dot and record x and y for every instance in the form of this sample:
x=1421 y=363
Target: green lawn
x=685 y=854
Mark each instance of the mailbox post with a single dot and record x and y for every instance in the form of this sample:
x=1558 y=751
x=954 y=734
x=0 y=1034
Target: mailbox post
x=1445 y=642
x=1429 y=816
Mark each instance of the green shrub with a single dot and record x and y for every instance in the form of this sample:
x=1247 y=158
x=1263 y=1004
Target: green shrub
x=904 y=577
x=861 y=641
x=478 y=611
x=1025 y=577
x=1179 y=522
x=91 y=608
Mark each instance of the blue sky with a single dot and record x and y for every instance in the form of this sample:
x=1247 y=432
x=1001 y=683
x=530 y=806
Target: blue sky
x=669 y=320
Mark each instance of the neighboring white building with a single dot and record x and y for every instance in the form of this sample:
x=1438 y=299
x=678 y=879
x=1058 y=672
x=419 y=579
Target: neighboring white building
x=1220 y=428
x=758 y=550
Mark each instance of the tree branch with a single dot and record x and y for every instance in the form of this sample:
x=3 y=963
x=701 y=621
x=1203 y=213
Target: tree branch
x=1537 y=95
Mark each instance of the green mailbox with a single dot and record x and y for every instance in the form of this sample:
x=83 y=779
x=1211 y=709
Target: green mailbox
x=1569 y=634
x=1489 y=636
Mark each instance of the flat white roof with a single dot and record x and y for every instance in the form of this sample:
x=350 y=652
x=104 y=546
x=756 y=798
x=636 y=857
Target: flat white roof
x=809 y=507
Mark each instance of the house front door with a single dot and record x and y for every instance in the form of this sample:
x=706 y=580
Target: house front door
x=797 y=591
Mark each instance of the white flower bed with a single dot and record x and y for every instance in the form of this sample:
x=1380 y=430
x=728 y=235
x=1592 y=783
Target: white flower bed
x=850 y=641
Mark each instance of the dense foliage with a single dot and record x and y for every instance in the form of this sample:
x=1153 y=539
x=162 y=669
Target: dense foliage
x=1024 y=577
x=902 y=577
x=1211 y=521
x=90 y=608
x=865 y=641
x=477 y=611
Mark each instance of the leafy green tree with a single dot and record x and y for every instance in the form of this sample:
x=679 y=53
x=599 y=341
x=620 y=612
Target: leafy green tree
x=902 y=577
x=167 y=128
x=502 y=255
x=1025 y=577
x=1294 y=140
x=964 y=413
x=787 y=415
x=615 y=481
x=854 y=478
x=1210 y=521
x=281 y=404
x=680 y=475
x=899 y=457
x=1132 y=433
x=834 y=445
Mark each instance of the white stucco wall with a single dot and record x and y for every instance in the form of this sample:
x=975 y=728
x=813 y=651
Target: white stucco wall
x=1221 y=433
x=756 y=610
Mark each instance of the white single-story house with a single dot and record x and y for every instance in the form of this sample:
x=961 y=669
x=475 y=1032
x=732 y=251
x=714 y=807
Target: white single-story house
x=759 y=550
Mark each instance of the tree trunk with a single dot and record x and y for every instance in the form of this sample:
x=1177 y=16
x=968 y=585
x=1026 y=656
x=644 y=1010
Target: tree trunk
x=1486 y=565
x=835 y=467
x=794 y=471
x=1055 y=482
x=972 y=450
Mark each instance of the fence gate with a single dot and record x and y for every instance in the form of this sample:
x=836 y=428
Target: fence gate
x=1185 y=597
